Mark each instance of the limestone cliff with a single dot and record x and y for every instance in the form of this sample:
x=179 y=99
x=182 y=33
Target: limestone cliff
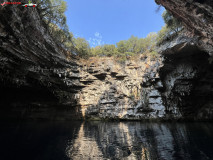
x=186 y=76
x=37 y=80
x=113 y=90
x=34 y=72
x=176 y=85
x=197 y=16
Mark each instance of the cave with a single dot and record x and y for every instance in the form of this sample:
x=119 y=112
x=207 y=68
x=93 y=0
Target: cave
x=187 y=79
x=140 y=104
x=36 y=72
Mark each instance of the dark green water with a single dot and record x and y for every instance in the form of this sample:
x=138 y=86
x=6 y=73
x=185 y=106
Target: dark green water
x=105 y=140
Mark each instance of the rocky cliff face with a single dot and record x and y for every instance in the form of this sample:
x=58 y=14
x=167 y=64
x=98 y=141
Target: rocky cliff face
x=187 y=80
x=177 y=85
x=35 y=76
x=113 y=90
x=37 y=81
x=197 y=16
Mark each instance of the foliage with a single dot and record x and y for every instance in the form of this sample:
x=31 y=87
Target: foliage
x=150 y=42
x=121 y=58
x=122 y=46
x=82 y=46
x=172 y=27
x=52 y=13
x=125 y=49
x=95 y=51
x=172 y=23
x=164 y=32
x=134 y=46
x=59 y=34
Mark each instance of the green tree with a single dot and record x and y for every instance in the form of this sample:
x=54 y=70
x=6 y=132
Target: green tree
x=172 y=27
x=172 y=23
x=83 y=48
x=109 y=50
x=164 y=32
x=104 y=50
x=52 y=13
x=139 y=48
x=150 y=42
x=127 y=48
x=59 y=34
x=96 y=51
x=132 y=44
x=122 y=46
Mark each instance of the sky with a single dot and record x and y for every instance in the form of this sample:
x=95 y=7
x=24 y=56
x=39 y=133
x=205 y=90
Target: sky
x=109 y=21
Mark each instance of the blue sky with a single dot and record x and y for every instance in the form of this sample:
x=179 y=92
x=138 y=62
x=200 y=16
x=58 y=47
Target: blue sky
x=109 y=21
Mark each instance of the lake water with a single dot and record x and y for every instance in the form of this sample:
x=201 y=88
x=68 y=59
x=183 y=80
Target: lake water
x=105 y=140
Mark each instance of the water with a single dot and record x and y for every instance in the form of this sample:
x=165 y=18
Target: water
x=105 y=140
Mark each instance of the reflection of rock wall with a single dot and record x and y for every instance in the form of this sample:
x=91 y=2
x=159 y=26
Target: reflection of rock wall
x=106 y=141
x=135 y=140
x=84 y=147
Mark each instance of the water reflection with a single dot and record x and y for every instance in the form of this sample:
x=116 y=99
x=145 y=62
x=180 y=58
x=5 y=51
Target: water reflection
x=105 y=140
x=135 y=140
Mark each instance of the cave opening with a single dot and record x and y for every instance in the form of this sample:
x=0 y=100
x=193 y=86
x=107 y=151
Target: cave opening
x=188 y=81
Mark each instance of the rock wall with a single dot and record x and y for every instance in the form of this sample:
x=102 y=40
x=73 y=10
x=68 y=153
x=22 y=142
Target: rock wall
x=37 y=81
x=35 y=76
x=186 y=78
x=197 y=16
x=177 y=85
x=113 y=90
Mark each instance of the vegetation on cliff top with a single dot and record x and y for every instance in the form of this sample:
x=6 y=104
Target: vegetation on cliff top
x=52 y=12
x=134 y=46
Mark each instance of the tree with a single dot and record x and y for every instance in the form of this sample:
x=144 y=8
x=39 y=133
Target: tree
x=150 y=42
x=96 y=51
x=83 y=48
x=132 y=44
x=52 y=13
x=128 y=48
x=104 y=50
x=109 y=50
x=172 y=27
x=164 y=32
x=172 y=23
x=59 y=34
x=122 y=46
